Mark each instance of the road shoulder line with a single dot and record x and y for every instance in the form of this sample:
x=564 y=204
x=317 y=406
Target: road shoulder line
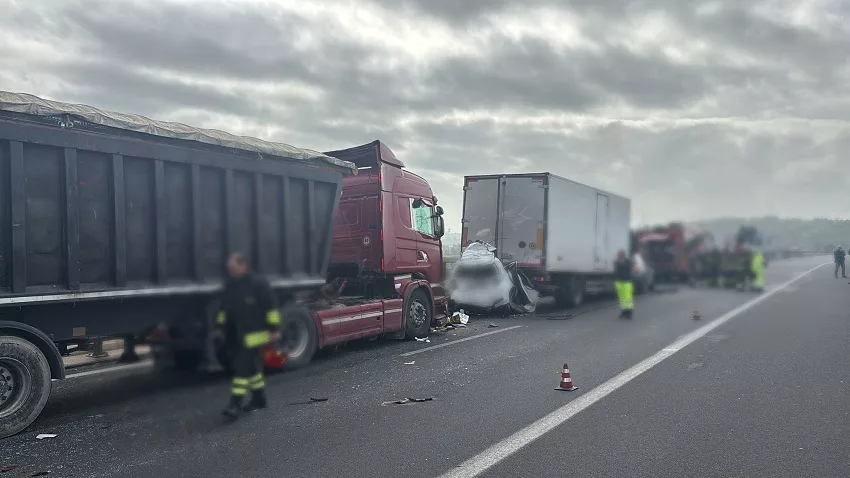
x=453 y=342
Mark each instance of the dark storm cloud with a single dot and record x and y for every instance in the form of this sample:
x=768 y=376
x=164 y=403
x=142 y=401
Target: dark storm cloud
x=108 y=82
x=213 y=60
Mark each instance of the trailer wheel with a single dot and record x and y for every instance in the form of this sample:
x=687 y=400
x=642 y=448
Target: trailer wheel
x=417 y=315
x=299 y=337
x=24 y=384
x=570 y=293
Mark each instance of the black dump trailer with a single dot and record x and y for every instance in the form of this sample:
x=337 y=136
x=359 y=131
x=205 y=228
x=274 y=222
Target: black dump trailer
x=114 y=225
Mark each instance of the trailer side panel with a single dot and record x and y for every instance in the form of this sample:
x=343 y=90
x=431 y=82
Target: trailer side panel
x=87 y=212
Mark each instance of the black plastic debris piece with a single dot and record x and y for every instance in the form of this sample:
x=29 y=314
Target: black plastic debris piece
x=318 y=399
x=405 y=401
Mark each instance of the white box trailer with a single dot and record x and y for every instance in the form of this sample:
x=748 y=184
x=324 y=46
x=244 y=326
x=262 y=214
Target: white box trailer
x=564 y=235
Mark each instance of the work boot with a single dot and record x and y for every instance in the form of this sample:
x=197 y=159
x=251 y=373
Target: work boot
x=258 y=401
x=233 y=408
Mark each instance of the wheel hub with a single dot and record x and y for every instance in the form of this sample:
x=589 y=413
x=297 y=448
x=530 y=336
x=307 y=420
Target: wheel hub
x=7 y=385
x=418 y=313
x=14 y=385
x=294 y=339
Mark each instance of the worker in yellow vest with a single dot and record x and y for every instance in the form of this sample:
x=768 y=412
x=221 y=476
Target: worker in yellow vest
x=757 y=270
x=623 y=283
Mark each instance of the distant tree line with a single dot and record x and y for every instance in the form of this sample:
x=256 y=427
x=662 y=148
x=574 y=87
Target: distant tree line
x=781 y=234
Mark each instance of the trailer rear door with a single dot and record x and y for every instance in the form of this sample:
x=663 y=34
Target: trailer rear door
x=522 y=201
x=480 y=211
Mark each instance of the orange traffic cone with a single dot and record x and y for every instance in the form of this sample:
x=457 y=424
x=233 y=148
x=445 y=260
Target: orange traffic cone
x=566 y=381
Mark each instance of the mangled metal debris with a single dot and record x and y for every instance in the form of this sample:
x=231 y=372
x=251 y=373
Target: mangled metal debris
x=479 y=281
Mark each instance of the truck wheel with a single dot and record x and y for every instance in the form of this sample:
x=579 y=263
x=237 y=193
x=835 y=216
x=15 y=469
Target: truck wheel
x=24 y=384
x=570 y=293
x=299 y=337
x=417 y=315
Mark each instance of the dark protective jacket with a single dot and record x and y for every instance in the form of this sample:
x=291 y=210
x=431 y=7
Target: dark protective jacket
x=623 y=270
x=839 y=256
x=248 y=312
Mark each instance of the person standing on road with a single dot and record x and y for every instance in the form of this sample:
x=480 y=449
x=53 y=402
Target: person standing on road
x=624 y=285
x=840 y=255
x=247 y=321
x=757 y=269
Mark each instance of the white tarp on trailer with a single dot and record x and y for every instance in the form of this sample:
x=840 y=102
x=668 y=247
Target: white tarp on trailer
x=33 y=105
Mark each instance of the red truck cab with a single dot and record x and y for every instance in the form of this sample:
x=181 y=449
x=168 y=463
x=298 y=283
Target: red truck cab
x=386 y=262
x=388 y=223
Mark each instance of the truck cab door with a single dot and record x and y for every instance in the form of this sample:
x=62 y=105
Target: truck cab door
x=429 y=253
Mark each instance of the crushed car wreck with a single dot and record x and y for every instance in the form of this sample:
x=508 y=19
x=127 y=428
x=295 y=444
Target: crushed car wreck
x=479 y=282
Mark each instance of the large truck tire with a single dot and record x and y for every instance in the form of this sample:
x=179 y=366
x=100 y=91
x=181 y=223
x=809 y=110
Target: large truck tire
x=417 y=315
x=570 y=293
x=24 y=384
x=299 y=337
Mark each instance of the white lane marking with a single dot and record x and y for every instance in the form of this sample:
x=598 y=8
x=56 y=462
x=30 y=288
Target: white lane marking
x=512 y=444
x=453 y=342
x=117 y=368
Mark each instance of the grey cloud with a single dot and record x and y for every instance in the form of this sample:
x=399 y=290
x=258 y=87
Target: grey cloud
x=101 y=82
x=687 y=171
x=699 y=170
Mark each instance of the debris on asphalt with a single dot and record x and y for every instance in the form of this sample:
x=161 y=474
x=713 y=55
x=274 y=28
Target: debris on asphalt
x=410 y=363
x=40 y=473
x=396 y=402
x=492 y=325
x=460 y=318
x=42 y=436
x=423 y=339
x=7 y=468
x=311 y=400
x=696 y=315
x=404 y=401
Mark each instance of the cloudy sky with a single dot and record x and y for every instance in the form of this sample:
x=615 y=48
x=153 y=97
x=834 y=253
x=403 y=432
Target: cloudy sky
x=694 y=109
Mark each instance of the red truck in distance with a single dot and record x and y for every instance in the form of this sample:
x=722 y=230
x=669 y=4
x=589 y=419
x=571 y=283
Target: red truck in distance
x=672 y=250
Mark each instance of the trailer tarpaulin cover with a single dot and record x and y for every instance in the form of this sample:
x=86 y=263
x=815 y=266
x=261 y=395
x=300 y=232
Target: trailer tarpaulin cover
x=33 y=105
x=479 y=281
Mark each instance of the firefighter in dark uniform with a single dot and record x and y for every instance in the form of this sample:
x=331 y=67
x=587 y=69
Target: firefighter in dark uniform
x=623 y=283
x=247 y=321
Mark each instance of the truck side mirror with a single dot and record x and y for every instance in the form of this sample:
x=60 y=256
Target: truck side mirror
x=441 y=227
x=439 y=210
x=417 y=203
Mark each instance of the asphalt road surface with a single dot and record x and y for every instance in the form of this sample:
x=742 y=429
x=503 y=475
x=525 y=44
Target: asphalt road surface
x=758 y=387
